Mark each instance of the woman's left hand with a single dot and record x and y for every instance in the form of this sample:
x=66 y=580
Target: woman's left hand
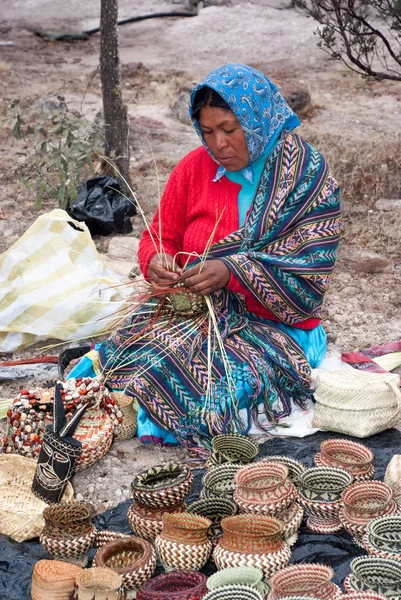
x=205 y=279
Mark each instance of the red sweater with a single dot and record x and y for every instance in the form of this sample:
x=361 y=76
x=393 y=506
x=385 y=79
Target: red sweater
x=190 y=208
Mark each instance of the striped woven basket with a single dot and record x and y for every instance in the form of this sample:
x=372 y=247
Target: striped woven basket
x=312 y=578
x=130 y=415
x=95 y=432
x=107 y=535
x=162 y=486
x=178 y=585
x=133 y=558
x=234 y=592
x=147 y=522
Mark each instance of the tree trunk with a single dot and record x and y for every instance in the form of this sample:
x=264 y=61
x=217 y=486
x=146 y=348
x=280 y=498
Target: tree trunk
x=115 y=112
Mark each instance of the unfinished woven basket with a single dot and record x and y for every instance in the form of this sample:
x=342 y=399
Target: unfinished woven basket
x=21 y=512
x=130 y=415
x=53 y=580
x=133 y=558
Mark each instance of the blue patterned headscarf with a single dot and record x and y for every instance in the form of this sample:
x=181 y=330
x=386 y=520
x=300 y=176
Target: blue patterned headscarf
x=258 y=105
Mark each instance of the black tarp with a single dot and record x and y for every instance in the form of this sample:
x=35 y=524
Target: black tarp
x=17 y=559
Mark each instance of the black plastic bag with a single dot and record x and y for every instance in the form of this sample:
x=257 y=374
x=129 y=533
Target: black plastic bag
x=103 y=208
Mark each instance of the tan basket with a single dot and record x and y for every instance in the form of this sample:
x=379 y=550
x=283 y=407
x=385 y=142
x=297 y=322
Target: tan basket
x=130 y=415
x=357 y=403
x=393 y=476
x=95 y=432
x=20 y=510
x=53 y=580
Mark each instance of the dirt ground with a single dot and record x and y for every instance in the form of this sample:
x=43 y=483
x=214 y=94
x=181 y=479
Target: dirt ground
x=353 y=121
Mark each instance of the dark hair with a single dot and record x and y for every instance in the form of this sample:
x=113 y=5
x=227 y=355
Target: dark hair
x=206 y=96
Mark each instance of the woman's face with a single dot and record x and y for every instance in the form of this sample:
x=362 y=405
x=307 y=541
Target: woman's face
x=224 y=137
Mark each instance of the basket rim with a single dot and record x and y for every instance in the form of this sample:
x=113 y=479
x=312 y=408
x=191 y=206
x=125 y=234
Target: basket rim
x=182 y=472
x=132 y=543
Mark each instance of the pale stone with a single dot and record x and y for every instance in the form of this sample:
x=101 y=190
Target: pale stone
x=122 y=247
x=387 y=204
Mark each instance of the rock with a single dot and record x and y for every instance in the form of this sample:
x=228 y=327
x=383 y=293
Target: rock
x=121 y=267
x=122 y=247
x=386 y=204
x=118 y=493
x=370 y=262
x=79 y=498
x=90 y=489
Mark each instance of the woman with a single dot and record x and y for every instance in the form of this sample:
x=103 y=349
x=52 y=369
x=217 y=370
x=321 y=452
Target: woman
x=248 y=225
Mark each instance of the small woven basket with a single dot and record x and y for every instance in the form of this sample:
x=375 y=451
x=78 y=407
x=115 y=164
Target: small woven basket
x=214 y=509
x=385 y=532
x=313 y=578
x=249 y=576
x=185 y=303
x=162 y=486
x=21 y=512
x=107 y=535
x=354 y=457
x=178 y=585
x=233 y=592
x=232 y=448
x=99 y=584
x=295 y=467
x=130 y=415
x=376 y=574
x=133 y=558
x=68 y=533
x=147 y=522
x=219 y=482
x=264 y=488
x=53 y=580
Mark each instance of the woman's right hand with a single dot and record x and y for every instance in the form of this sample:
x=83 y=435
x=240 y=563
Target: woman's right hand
x=163 y=271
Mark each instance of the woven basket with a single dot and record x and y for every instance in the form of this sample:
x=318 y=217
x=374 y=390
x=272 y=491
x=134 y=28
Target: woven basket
x=295 y=467
x=21 y=512
x=133 y=558
x=373 y=549
x=232 y=448
x=106 y=535
x=385 y=532
x=249 y=576
x=130 y=415
x=53 y=580
x=313 y=578
x=233 y=592
x=147 y=522
x=219 y=482
x=357 y=403
x=99 y=584
x=269 y=562
x=68 y=533
x=95 y=432
x=162 y=486
x=184 y=303
x=392 y=476
x=356 y=458
x=376 y=574
x=178 y=585
x=365 y=596
x=264 y=488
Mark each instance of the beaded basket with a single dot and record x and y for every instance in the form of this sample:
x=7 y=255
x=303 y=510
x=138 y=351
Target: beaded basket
x=233 y=592
x=232 y=448
x=147 y=522
x=219 y=482
x=132 y=558
x=295 y=467
x=178 y=585
x=264 y=488
x=354 y=457
x=314 y=579
x=68 y=533
x=162 y=486
x=32 y=410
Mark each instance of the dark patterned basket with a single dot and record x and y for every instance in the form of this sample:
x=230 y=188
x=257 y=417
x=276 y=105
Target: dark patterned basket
x=178 y=585
x=376 y=574
x=162 y=485
x=232 y=448
x=219 y=482
x=132 y=558
x=385 y=532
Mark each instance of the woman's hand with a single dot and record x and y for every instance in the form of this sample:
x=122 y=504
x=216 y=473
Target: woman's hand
x=205 y=279
x=162 y=271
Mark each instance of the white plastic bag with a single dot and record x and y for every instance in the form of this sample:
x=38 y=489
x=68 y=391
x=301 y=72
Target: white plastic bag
x=54 y=285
